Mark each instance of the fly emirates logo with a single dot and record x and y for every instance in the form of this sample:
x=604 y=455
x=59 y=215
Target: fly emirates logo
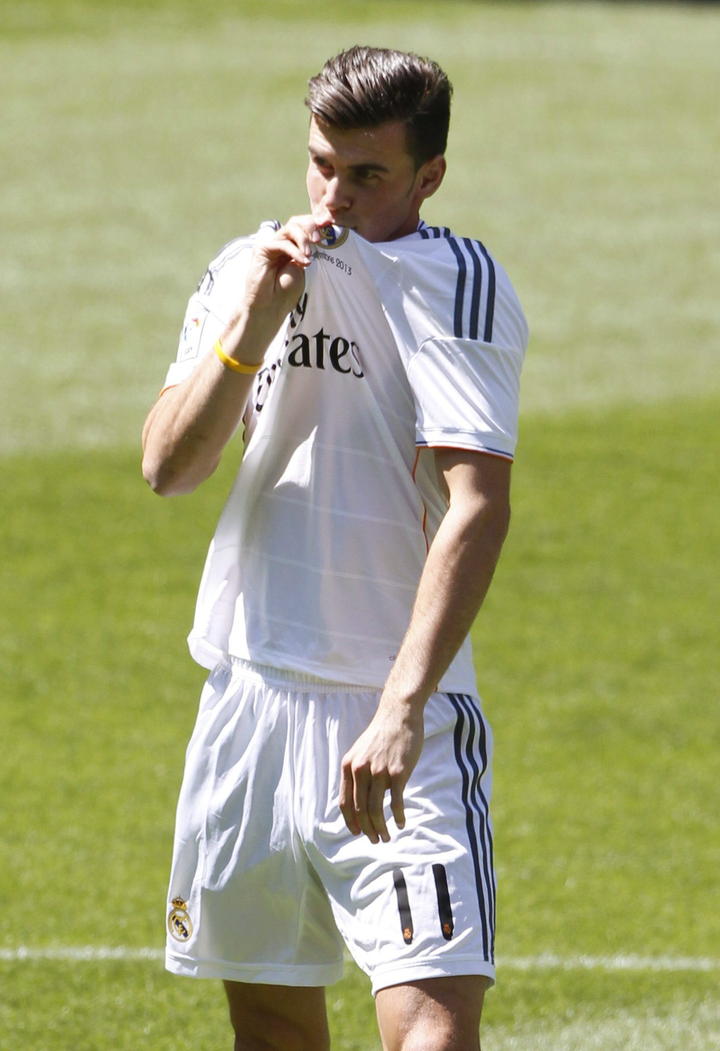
x=321 y=350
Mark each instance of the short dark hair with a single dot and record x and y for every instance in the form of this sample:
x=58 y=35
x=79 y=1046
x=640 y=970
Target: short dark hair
x=367 y=86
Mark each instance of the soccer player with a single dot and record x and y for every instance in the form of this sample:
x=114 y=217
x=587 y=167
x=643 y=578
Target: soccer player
x=337 y=782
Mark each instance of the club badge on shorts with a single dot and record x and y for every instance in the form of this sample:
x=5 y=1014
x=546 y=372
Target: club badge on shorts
x=179 y=923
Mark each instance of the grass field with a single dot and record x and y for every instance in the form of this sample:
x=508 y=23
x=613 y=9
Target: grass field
x=138 y=139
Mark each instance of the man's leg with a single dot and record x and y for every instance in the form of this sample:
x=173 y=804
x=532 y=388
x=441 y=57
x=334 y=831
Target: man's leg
x=277 y=1017
x=437 y=1014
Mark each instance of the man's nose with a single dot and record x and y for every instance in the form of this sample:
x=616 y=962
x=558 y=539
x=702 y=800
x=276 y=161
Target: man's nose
x=337 y=196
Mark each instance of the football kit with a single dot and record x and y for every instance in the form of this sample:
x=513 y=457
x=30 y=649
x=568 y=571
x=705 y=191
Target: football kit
x=392 y=349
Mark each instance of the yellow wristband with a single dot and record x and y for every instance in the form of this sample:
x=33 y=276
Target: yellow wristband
x=231 y=363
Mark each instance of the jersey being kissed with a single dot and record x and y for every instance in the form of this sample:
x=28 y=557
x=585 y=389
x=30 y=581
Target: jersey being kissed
x=392 y=349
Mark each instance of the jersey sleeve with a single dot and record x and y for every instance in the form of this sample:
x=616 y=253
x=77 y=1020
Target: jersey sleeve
x=462 y=335
x=466 y=395
x=209 y=309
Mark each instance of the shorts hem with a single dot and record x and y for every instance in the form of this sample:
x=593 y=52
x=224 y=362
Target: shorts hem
x=384 y=977
x=255 y=974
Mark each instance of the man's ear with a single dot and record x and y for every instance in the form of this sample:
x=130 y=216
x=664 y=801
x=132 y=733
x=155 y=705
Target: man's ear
x=430 y=176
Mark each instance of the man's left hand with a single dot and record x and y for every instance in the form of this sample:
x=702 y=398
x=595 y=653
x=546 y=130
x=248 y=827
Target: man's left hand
x=381 y=760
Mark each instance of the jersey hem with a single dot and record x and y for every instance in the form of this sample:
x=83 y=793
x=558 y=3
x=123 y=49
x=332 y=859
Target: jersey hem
x=298 y=680
x=209 y=656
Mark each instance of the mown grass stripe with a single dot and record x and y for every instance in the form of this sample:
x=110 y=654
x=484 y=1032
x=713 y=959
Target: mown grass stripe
x=620 y=962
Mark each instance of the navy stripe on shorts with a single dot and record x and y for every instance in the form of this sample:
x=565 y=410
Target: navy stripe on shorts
x=470 y=742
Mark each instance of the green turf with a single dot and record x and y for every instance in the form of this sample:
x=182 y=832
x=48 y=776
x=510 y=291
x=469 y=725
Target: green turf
x=93 y=1007
x=593 y=653
x=585 y=136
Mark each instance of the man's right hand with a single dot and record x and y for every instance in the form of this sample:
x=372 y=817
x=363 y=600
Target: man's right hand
x=276 y=275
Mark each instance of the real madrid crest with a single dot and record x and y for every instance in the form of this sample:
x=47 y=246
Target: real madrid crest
x=333 y=236
x=179 y=923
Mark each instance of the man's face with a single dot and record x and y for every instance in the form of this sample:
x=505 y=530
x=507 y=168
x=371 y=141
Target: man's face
x=365 y=179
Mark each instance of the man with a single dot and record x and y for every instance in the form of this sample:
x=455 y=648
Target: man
x=338 y=776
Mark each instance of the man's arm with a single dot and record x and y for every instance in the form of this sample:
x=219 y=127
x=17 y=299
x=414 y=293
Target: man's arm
x=189 y=425
x=454 y=582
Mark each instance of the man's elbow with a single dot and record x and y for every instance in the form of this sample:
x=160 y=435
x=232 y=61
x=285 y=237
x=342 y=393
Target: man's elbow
x=162 y=482
x=166 y=478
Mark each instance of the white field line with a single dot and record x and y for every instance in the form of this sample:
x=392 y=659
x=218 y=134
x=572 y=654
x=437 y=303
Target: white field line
x=79 y=953
x=542 y=962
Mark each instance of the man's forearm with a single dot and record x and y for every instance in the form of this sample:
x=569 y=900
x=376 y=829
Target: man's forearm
x=188 y=427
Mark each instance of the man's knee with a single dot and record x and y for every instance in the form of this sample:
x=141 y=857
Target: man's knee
x=434 y=1035
x=425 y=1036
x=267 y=1032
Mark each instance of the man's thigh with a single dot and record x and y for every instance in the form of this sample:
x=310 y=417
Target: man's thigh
x=284 y=1018
x=437 y=1014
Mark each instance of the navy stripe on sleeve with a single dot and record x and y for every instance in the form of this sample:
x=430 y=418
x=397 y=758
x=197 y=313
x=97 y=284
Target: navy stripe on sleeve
x=481 y=262
x=459 y=288
x=476 y=288
x=490 y=303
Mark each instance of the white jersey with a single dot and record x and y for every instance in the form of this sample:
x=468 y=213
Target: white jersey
x=392 y=348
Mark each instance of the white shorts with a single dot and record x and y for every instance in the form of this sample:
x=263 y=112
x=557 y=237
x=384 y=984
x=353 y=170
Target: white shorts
x=267 y=882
